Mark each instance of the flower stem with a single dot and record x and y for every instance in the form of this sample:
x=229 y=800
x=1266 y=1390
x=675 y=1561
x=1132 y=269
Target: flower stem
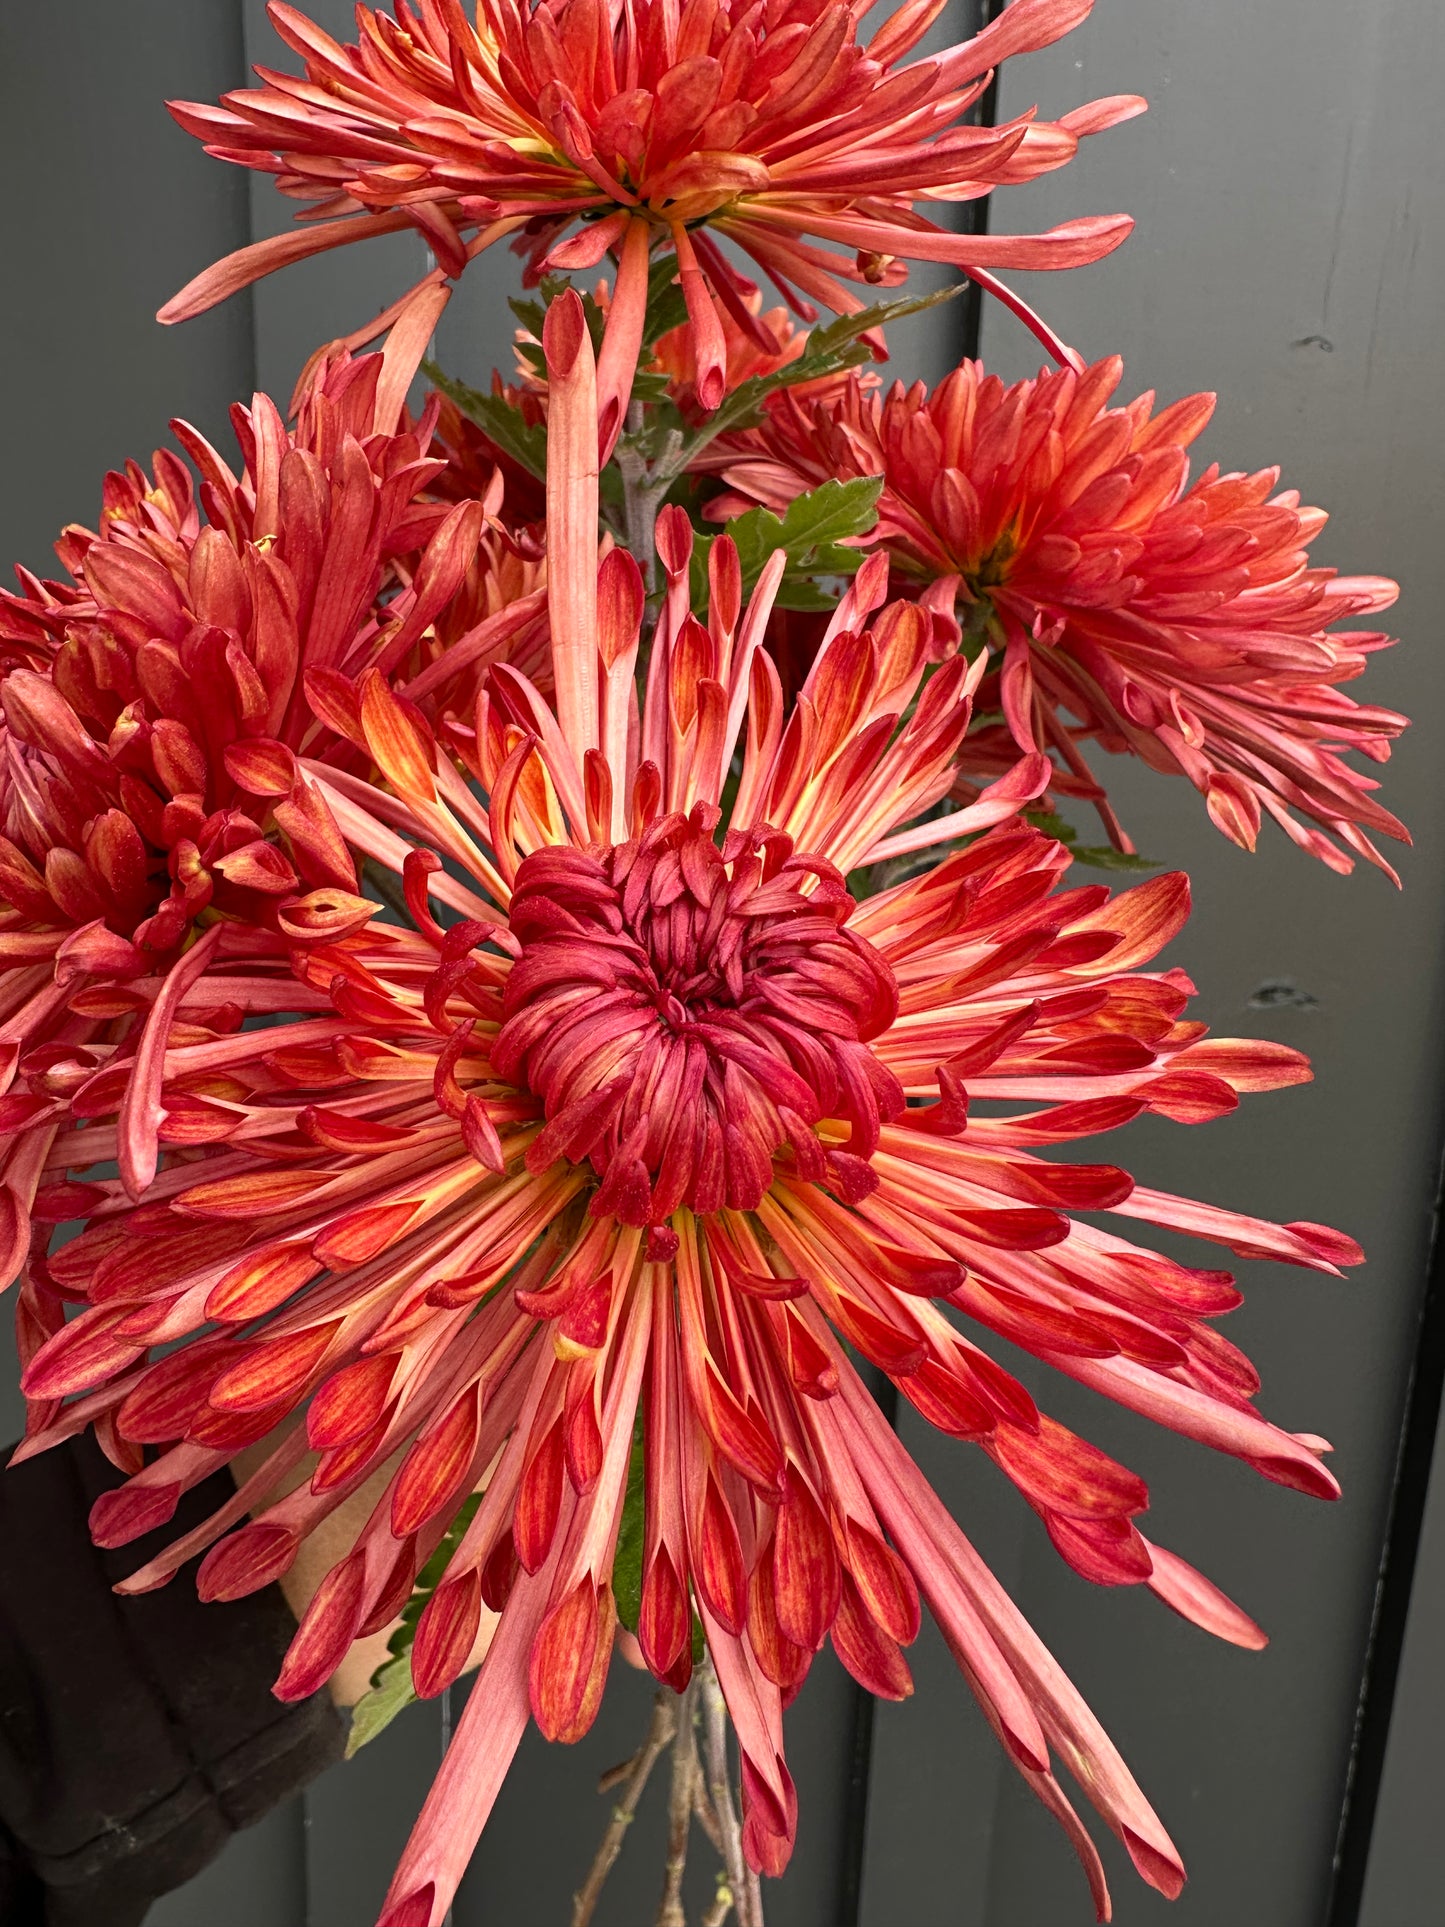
x=696 y=1794
x=746 y=1893
x=679 y=1811
x=644 y=487
x=721 y=1907
x=660 y=1733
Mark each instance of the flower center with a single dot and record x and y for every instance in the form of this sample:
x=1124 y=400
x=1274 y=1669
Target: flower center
x=688 y=1014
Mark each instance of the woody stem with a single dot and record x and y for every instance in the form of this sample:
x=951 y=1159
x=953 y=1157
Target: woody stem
x=644 y=486
x=660 y=1733
x=747 y=1898
x=679 y=1810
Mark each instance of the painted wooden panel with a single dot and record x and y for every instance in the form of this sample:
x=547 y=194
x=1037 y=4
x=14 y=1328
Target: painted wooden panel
x=107 y=211
x=1402 y=1885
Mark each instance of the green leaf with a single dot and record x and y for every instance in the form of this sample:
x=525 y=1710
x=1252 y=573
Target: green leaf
x=829 y=514
x=627 y=1562
x=834 y=336
x=830 y=349
x=525 y=442
x=391 y=1692
x=1096 y=856
x=531 y=314
x=1103 y=856
x=391 y=1684
x=666 y=308
x=811 y=531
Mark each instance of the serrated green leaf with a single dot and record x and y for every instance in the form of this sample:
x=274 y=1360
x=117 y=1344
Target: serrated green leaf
x=531 y=314
x=1102 y=856
x=525 y=442
x=666 y=308
x=831 y=349
x=391 y=1692
x=1096 y=856
x=811 y=531
x=651 y=386
x=836 y=335
x=627 y=1561
x=831 y=514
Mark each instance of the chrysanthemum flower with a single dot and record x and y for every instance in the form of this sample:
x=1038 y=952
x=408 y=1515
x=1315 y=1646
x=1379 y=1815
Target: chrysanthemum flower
x=660 y=1125
x=1182 y=622
x=149 y=788
x=652 y=124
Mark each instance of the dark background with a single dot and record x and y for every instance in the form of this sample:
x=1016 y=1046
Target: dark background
x=1288 y=188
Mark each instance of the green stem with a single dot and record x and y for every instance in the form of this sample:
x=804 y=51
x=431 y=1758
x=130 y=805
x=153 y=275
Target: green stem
x=644 y=487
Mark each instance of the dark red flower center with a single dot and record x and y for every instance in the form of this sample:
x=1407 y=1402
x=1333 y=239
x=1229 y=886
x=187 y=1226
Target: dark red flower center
x=688 y=1014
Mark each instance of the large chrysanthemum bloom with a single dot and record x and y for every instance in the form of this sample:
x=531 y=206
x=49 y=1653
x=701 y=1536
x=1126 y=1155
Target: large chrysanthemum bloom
x=664 y=1125
x=150 y=793
x=1181 y=621
x=653 y=125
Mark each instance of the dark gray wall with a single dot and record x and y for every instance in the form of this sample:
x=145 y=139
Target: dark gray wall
x=1289 y=253
x=108 y=208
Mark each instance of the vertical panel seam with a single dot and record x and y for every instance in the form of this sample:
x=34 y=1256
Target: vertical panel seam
x=1394 y=1584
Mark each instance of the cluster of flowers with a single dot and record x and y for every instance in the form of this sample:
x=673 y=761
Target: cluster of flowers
x=613 y=1104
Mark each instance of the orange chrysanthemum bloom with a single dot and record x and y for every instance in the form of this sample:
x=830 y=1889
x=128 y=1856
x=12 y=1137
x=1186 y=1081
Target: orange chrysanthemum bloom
x=661 y=1120
x=654 y=124
x=1120 y=602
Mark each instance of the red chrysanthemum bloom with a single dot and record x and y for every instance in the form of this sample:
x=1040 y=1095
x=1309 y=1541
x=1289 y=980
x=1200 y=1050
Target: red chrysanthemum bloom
x=650 y=124
x=659 y=1124
x=149 y=788
x=1181 y=621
